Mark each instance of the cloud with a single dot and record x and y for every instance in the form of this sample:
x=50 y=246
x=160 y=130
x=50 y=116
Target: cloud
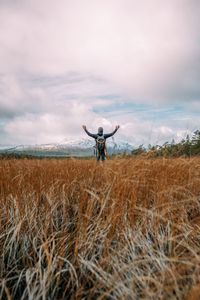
x=71 y=62
x=149 y=49
x=48 y=109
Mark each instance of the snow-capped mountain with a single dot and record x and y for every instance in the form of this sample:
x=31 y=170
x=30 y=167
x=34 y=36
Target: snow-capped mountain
x=84 y=143
x=70 y=146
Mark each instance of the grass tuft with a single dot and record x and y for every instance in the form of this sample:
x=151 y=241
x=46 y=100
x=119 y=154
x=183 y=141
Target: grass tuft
x=127 y=229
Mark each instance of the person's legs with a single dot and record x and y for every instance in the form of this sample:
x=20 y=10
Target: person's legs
x=103 y=156
x=98 y=157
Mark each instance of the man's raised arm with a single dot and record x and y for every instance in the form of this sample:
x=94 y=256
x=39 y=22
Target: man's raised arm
x=112 y=133
x=88 y=133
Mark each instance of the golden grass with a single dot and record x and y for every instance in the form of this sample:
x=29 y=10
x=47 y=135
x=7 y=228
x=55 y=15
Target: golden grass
x=125 y=229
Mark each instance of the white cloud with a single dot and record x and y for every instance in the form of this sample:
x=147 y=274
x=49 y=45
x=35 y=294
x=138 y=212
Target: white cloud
x=144 y=47
x=58 y=60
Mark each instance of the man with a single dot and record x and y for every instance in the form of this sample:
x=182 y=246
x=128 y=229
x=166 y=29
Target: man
x=100 y=139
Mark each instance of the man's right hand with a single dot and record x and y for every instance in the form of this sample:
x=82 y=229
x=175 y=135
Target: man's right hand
x=84 y=127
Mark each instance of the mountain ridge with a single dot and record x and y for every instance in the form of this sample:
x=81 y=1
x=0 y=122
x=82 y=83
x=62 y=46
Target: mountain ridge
x=68 y=147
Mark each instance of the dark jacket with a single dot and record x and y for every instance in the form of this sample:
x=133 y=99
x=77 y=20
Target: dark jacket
x=106 y=135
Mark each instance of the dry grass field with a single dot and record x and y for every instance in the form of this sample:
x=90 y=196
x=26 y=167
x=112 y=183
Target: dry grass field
x=126 y=229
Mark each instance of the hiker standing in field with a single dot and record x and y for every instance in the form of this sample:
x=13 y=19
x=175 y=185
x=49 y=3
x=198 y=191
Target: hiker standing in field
x=100 y=139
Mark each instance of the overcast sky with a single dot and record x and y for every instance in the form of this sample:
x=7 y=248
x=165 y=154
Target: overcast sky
x=66 y=63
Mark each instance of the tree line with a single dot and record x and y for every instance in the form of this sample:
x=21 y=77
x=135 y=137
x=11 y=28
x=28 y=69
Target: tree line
x=190 y=146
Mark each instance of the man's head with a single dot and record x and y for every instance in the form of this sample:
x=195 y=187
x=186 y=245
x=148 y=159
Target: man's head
x=100 y=130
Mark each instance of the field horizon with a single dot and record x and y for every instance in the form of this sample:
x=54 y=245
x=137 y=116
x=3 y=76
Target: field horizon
x=124 y=229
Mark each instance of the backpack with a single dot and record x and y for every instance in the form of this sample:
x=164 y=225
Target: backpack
x=101 y=143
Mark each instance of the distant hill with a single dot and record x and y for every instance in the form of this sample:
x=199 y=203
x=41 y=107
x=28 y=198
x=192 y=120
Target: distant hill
x=69 y=147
